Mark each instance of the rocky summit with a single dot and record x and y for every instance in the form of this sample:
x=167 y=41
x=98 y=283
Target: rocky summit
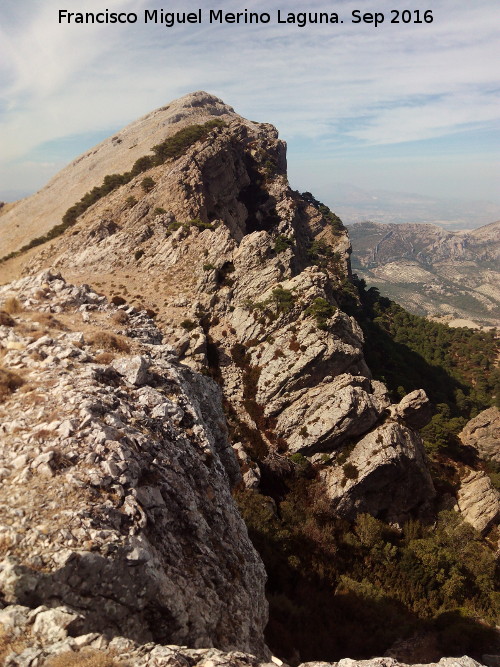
x=179 y=330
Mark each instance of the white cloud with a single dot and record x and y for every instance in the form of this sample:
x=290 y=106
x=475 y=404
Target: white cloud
x=343 y=84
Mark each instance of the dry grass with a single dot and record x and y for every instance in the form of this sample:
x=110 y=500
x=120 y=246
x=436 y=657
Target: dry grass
x=104 y=358
x=10 y=644
x=9 y=382
x=108 y=341
x=120 y=317
x=6 y=320
x=83 y=659
x=12 y=306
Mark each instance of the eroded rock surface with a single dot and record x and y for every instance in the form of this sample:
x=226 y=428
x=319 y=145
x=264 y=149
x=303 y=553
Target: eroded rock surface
x=479 y=501
x=385 y=475
x=115 y=475
x=483 y=434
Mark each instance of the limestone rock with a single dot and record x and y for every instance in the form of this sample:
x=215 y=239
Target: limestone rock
x=479 y=501
x=483 y=434
x=133 y=369
x=121 y=508
x=414 y=409
x=367 y=481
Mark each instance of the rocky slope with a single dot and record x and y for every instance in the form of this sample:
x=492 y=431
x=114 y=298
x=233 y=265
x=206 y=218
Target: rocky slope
x=431 y=271
x=115 y=479
x=249 y=283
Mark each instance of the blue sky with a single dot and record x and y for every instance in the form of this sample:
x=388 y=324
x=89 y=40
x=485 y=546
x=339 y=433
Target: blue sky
x=405 y=107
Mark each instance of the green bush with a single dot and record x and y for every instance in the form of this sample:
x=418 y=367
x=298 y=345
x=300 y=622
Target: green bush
x=147 y=184
x=283 y=299
x=282 y=243
x=189 y=325
x=322 y=311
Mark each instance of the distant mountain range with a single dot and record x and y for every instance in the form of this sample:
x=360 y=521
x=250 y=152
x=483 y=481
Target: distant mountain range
x=354 y=204
x=430 y=271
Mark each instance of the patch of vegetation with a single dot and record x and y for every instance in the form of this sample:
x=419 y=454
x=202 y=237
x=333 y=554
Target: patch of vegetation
x=147 y=184
x=9 y=382
x=189 y=325
x=455 y=366
x=6 y=320
x=283 y=299
x=282 y=243
x=322 y=311
x=108 y=341
x=336 y=589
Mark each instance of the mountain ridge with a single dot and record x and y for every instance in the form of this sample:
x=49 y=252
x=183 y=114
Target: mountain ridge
x=249 y=283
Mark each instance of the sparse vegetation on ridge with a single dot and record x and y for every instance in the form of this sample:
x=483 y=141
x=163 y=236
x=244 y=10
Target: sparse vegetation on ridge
x=172 y=147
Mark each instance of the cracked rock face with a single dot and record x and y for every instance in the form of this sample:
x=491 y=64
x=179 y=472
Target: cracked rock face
x=483 y=434
x=115 y=484
x=226 y=254
x=479 y=501
x=385 y=475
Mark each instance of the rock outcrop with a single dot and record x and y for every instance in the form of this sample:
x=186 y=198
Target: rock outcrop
x=115 y=475
x=483 y=434
x=385 y=475
x=479 y=501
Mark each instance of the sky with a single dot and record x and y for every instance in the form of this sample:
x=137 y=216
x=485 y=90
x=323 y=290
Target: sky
x=408 y=107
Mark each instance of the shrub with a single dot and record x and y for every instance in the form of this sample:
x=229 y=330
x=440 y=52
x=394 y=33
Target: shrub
x=322 y=311
x=350 y=471
x=283 y=299
x=138 y=254
x=131 y=201
x=12 y=306
x=108 y=341
x=159 y=211
x=189 y=325
x=147 y=184
x=282 y=243
x=208 y=267
x=9 y=382
x=85 y=658
x=120 y=317
x=6 y=320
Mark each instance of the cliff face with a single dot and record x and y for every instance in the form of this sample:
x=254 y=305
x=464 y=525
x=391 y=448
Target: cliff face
x=249 y=280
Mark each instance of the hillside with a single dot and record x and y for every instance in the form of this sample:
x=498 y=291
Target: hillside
x=430 y=271
x=202 y=336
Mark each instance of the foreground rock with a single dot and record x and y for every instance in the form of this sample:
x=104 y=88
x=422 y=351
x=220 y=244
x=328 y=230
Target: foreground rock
x=42 y=636
x=115 y=476
x=483 y=434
